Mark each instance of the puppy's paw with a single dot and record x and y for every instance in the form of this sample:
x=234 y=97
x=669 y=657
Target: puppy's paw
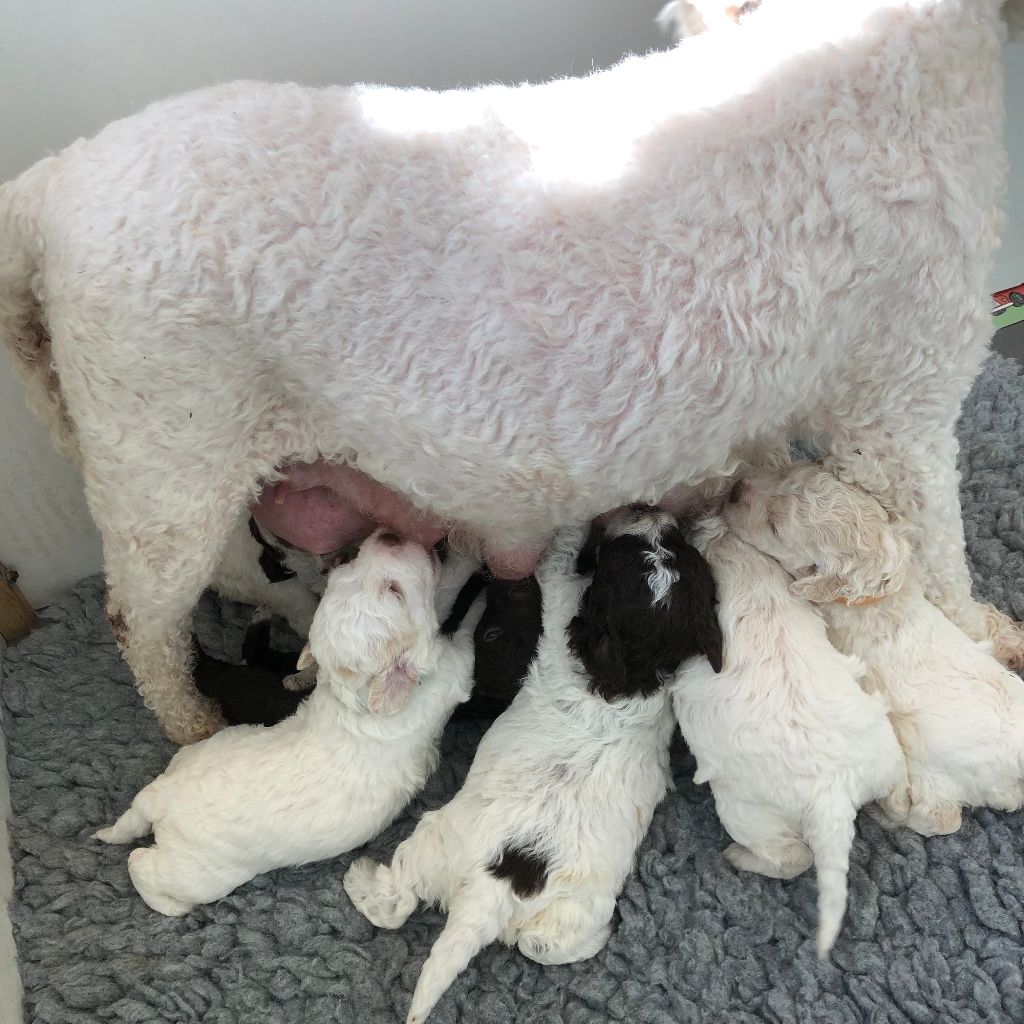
x=370 y=887
x=896 y=806
x=1007 y=638
x=935 y=819
x=144 y=869
x=301 y=682
x=564 y=949
x=787 y=861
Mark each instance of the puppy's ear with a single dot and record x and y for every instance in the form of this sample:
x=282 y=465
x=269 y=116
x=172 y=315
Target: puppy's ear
x=876 y=570
x=601 y=657
x=306 y=659
x=700 y=612
x=711 y=641
x=391 y=689
x=586 y=561
x=819 y=586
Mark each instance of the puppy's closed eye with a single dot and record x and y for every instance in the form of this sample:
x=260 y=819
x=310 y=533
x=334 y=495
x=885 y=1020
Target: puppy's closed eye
x=394 y=587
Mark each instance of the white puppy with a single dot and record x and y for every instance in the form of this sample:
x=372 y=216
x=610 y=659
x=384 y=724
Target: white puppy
x=790 y=743
x=250 y=799
x=536 y=846
x=957 y=712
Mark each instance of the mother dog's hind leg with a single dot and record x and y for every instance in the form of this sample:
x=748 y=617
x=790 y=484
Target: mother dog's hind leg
x=915 y=473
x=163 y=533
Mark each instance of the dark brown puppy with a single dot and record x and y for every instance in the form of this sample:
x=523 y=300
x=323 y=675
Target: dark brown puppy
x=252 y=693
x=504 y=642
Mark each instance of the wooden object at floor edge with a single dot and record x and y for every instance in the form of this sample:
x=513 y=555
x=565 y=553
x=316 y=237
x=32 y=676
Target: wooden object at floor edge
x=17 y=619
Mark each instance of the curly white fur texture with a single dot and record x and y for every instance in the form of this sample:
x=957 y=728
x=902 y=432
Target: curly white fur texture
x=958 y=713
x=791 y=745
x=563 y=776
x=329 y=778
x=518 y=307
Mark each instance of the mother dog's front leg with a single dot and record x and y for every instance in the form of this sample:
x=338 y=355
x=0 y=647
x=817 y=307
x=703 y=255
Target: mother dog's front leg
x=916 y=475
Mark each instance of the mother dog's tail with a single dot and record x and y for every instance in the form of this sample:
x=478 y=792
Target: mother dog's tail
x=22 y=325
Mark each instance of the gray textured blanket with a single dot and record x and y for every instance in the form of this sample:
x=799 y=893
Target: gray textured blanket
x=933 y=933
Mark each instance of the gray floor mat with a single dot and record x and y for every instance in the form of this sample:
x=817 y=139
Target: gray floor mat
x=933 y=934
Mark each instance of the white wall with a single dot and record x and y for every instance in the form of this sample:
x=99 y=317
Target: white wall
x=67 y=67
x=1009 y=268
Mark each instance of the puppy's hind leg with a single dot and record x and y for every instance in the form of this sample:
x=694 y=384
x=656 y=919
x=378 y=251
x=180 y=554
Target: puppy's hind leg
x=785 y=859
x=477 y=915
x=145 y=868
x=387 y=895
x=377 y=894
x=896 y=806
x=133 y=824
x=567 y=931
x=935 y=819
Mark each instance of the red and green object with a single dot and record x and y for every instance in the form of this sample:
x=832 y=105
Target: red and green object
x=1008 y=306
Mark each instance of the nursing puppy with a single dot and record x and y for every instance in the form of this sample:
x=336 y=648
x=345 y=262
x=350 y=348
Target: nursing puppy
x=504 y=642
x=329 y=778
x=958 y=713
x=252 y=693
x=536 y=846
x=258 y=568
x=790 y=743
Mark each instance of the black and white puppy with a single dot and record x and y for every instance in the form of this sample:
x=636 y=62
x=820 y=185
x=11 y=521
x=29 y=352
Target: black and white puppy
x=260 y=569
x=636 y=623
x=536 y=846
x=252 y=693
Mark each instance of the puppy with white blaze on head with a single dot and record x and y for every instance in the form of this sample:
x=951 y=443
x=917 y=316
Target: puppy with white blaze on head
x=536 y=846
x=327 y=779
x=791 y=745
x=957 y=712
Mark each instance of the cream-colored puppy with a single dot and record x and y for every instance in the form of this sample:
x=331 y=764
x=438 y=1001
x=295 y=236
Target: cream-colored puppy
x=958 y=713
x=791 y=744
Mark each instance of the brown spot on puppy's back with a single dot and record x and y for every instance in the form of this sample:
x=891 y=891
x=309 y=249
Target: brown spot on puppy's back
x=525 y=870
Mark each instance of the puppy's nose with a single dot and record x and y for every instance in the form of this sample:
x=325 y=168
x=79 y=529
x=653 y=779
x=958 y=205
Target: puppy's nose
x=389 y=540
x=737 y=491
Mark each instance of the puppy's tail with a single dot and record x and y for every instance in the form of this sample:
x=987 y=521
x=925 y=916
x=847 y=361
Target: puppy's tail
x=828 y=830
x=22 y=327
x=476 y=916
x=133 y=824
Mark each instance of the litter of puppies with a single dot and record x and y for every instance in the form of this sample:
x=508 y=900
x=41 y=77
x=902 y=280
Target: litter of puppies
x=782 y=627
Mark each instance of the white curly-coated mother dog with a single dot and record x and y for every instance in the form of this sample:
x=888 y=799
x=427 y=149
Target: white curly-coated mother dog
x=510 y=308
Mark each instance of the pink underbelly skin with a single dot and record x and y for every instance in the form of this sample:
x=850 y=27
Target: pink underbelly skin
x=323 y=507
